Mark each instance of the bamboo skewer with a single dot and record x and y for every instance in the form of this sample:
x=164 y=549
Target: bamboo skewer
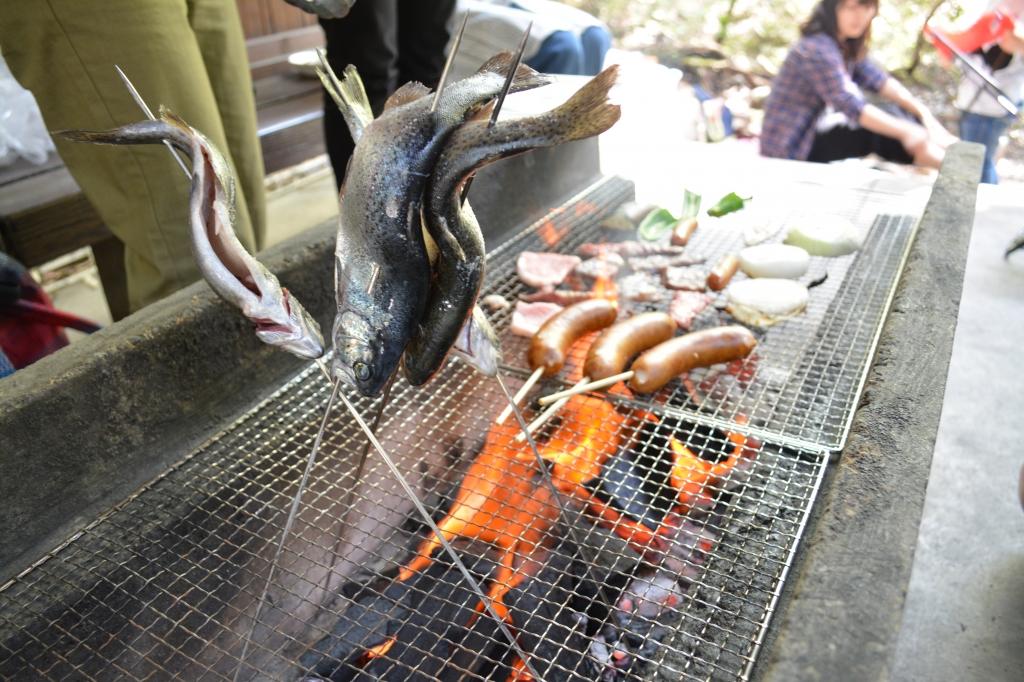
x=520 y=394
x=547 y=414
x=585 y=386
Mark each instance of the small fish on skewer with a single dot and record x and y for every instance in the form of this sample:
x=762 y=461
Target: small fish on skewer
x=453 y=226
x=230 y=270
x=382 y=270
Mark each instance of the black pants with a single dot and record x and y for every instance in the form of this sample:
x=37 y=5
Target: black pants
x=843 y=142
x=390 y=42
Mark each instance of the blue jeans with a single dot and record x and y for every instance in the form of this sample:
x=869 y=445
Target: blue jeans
x=987 y=130
x=565 y=52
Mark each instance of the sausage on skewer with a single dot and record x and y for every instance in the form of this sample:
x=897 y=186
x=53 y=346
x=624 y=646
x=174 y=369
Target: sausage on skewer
x=667 y=360
x=704 y=348
x=551 y=343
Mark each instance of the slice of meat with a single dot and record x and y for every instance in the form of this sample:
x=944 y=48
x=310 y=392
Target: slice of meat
x=559 y=296
x=660 y=261
x=685 y=279
x=686 y=305
x=544 y=270
x=528 y=317
x=627 y=249
x=605 y=265
x=639 y=286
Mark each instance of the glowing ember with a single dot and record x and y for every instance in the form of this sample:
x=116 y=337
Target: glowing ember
x=550 y=234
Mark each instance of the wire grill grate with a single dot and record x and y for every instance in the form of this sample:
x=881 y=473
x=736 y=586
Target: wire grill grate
x=802 y=382
x=163 y=585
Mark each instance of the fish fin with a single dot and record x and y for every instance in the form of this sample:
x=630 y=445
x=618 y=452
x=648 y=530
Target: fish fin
x=348 y=94
x=477 y=344
x=525 y=78
x=588 y=111
x=141 y=132
x=409 y=92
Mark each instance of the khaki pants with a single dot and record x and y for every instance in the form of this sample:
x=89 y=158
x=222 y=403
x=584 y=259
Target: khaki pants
x=187 y=55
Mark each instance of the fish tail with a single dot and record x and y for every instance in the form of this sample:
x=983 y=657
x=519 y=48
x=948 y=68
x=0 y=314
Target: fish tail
x=348 y=93
x=525 y=78
x=168 y=128
x=589 y=112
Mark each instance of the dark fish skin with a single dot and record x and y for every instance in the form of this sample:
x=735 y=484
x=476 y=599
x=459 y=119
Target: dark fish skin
x=382 y=273
x=452 y=225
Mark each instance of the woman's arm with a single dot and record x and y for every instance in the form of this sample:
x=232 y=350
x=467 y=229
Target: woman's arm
x=914 y=138
x=894 y=91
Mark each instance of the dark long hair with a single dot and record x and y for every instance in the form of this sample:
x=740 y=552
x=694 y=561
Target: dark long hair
x=823 y=20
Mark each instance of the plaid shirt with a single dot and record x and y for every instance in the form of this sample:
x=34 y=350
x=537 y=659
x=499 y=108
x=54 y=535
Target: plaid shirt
x=813 y=76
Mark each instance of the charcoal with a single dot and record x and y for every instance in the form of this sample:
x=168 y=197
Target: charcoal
x=364 y=624
x=439 y=629
x=548 y=613
x=427 y=617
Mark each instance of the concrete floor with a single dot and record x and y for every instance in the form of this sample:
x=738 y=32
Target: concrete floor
x=964 y=617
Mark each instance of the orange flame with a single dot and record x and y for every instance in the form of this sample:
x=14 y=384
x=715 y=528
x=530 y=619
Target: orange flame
x=584 y=208
x=604 y=287
x=519 y=672
x=378 y=651
x=550 y=234
x=692 y=475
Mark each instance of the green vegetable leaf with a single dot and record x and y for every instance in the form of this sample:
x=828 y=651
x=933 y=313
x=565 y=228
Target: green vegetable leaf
x=729 y=203
x=691 y=205
x=656 y=225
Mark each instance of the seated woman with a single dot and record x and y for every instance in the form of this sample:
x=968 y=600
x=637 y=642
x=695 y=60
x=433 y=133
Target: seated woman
x=817 y=111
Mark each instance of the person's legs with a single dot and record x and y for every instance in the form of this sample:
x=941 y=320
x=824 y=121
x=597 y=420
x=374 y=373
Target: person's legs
x=367 y=39
x=422 y=37
x=596 y=41
x=218 y=31
x=839 y=142
x=985 y=130
x=561 y=52
x=64 y=52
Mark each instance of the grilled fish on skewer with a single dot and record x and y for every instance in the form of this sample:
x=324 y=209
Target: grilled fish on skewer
x=230 y=270
x=382 y=273
x=453 y=226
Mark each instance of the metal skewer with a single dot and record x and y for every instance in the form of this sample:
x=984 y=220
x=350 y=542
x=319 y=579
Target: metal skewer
x=292 y=513
x=414 y=498
x=361 y=462
x=501 y=97
x=149 y=114
x=448 y=64
x=310 y=462
x=350 y=495
x=546 y=475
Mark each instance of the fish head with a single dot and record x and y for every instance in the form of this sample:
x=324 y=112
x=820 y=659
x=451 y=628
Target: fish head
x=291 y=328
x=361 y=357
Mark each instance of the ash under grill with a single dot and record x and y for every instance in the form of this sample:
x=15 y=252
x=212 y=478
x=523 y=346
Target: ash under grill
x=164 y=585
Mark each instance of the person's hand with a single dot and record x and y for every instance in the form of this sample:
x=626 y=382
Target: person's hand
x=914 y=139
x=937 y=132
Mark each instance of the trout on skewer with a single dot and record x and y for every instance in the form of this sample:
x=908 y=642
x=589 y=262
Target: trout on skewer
x=228 y=268
x=382 y=272
x=452 y=225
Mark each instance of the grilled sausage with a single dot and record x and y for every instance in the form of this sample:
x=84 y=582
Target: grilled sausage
x=614 y=348
x=723 y=271
x=664 y=362
x=554 y=338
x=683 y=231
